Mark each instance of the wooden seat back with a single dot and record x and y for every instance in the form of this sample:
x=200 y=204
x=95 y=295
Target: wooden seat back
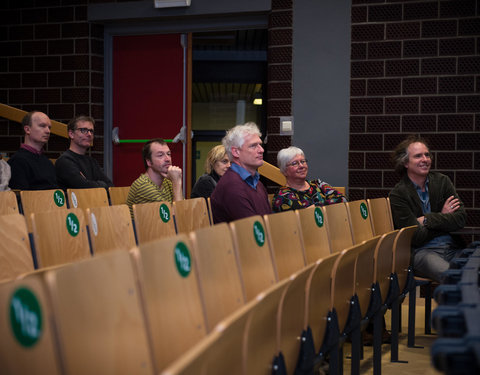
x=359 y=219
x=35 y=201
x=171 y=297
x=98 y=314
x=15 y=252
x=292 y=317
x=402 y=254
x=318 y=297
x=254 y=255
x=338 y=226
x=286 y=243
x=87 y=198
x=261 y=343
x=27 y=337
x=110 y=228
x=191 y=214
x=60 y=237
x=8 y=203
x=383 y=260
x=380 y=215
x=153 y=221
x=118 y=194
x=218 y=272
x=314 y=233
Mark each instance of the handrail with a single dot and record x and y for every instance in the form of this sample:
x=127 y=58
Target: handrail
x=267 y=170
x=17 y=115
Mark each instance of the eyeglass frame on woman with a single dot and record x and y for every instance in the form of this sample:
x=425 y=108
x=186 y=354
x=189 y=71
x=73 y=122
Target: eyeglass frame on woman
x=296 y=163
x=86 y=130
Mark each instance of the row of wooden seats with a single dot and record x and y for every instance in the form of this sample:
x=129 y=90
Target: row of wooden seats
x=212 y=240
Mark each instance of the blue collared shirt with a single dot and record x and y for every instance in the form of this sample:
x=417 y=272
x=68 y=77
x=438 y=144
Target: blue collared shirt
x=424 y=197
x=245 y=175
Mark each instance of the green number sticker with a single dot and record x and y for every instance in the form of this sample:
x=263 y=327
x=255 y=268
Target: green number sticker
x=364 y=211
x=318 y=216
x=25 y=317
x=73 y=225
x=259 y=233
x=183 y=261
x=59 y=198
x=164 y=213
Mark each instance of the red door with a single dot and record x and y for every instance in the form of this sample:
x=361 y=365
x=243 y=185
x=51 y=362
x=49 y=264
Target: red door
x=147 y=98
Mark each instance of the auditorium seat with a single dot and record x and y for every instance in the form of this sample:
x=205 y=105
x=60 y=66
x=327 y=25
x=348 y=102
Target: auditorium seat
x=35 y=201
x=8 y=203
x=110 y=228
x=87 y=198
x=338 y=227
x=118 y=194
x=359 y=219
x=191 y=214
x=171 y=297
x=28 y=343
x=15 y=252
x=285 y=238
x=254 y=255
x=60 y=237
x=380 y=214
x=314 y=233
x=153 y=221
x=98 y=315
x=218 y=272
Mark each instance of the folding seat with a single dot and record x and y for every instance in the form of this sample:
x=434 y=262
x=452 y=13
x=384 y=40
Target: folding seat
x=254 y=255
x=153 y=221
x=15 y=252
x=110 y=228
x=35 y=201
x=118 y=194
x=359 y=219
x=8 y=203
x=191 y=214
x=338 y=226
x=87 y=198
x=380 y=214
x=285 y=238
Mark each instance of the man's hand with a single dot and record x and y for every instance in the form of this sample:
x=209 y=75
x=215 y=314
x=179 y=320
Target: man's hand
x=451 y=205
x=174 y=174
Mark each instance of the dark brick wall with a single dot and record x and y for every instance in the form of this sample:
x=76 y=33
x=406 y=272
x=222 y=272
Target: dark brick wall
x=52 y=61
x=415 y=68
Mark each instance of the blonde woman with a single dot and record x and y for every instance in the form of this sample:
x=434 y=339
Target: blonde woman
x=216 y=165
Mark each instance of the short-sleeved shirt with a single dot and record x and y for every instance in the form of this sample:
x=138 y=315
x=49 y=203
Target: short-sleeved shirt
x=144 y=190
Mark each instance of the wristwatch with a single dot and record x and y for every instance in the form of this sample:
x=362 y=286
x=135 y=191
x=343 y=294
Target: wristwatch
x=424 y=221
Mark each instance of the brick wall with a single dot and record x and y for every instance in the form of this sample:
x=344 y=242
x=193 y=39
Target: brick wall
x=279 y=91
x=415 y=68
x=52 y=61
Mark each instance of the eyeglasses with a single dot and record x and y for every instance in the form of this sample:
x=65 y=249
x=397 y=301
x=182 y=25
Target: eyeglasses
x=85 y=130
x=296 y=163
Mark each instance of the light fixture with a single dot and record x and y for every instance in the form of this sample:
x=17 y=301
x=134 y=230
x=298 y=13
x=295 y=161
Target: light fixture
x=257 y=98
x=171 y=3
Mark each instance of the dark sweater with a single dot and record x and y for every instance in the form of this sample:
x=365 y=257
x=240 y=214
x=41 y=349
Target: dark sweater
x=31 y=171
x=205 y=185
x=77 y=171
x=234 y=199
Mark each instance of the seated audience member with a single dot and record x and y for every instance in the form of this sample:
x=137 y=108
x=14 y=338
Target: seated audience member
x=300 y=192
x=161 y=182
x=31 y=169
x=75 y=169
x=429 y=200
x=5 y=174
x=216 y=165
x=240 y=193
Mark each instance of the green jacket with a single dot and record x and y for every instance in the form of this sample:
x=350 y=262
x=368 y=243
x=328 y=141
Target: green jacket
x=407 y=207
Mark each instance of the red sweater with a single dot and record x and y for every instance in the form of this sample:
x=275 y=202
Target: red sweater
x=234 y=199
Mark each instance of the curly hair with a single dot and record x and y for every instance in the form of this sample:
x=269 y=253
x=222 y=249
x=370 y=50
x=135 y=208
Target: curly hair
x=400 y=153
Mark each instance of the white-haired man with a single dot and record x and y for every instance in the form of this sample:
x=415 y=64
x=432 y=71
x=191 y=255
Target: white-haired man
x=239 y=193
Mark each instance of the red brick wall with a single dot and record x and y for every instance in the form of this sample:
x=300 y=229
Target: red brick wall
x=52 y=61
x=415 y=68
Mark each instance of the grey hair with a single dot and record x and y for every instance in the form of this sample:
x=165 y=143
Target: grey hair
x=235 y=137
x=286 y=155
x=400 y=153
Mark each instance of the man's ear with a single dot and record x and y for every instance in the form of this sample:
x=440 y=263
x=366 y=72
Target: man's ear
x=26 y=129
x=70 y=134
x=235 y=152
x=149 y=163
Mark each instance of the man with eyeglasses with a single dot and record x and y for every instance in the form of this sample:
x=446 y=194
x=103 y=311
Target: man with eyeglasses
x=30 y=168
x=75 y=169
x=240 y=193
